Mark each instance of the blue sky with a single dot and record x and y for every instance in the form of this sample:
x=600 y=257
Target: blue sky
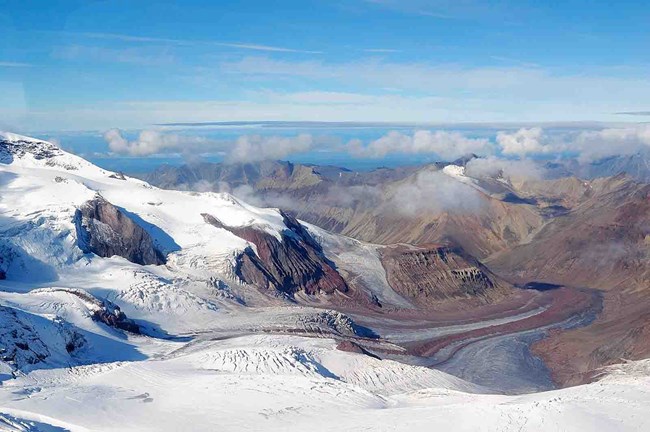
x=89 y=65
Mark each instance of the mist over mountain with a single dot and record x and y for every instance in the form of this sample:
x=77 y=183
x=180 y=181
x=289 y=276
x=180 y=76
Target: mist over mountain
x=360 y=215
x=449 y=265
x=532 y=221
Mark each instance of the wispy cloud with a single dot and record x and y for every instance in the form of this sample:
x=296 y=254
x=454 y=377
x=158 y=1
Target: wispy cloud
x=518 y=62
x=132 y=55
x=125 y=37
x=587 y=92
x=14 y=64
x=381 y=50
x=634 y=113
x=257 y=47
x=504 y=10
x=157 y=40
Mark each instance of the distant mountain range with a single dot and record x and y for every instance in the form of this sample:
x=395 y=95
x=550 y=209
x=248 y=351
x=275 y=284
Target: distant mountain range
x=635 y=165
x=431 y=286
x=590 y=230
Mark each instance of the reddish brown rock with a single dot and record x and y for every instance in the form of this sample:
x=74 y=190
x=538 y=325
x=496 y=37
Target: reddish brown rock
x=106 y=231
x=433 y=273
x=353 y=347
x=295 y=263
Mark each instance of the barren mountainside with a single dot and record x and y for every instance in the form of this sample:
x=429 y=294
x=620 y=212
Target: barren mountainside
x=566 y=230
x=110 y=284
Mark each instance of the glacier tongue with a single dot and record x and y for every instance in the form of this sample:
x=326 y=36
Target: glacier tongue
x=215 y=353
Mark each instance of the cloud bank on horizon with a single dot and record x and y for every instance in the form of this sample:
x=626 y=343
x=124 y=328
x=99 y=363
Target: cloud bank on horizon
x=535 y=142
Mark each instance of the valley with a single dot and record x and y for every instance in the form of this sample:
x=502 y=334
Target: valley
x=153 y=298
x=559 y=230
x=349 y=216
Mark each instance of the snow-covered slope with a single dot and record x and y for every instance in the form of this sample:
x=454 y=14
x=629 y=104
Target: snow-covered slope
x=47 y=261
x=42 y=190
x=43 y=232
x=288 y=383
x=102 y=343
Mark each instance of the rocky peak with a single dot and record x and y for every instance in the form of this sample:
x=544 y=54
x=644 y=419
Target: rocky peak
x=106 y=231
x=294 y=263
x=17 y=146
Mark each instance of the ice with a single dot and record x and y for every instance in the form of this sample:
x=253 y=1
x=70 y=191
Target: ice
x=214 y=356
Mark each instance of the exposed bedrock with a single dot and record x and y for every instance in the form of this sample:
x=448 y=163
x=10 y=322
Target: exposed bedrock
x=106 y=231
x=337 y=323
x=294 y=263
x=434 y=273
x=101 y=310
x=18 y=148
x=353 y=347
x=28 y=341
x=110 y=314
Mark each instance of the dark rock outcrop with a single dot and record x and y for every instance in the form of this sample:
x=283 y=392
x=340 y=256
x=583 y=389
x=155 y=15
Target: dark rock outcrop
x=19 y=148
x=335 y=322
x=295 y=263
x=118 y=175
x=103 y=310
x=112 y=316
x=3 y=273
x=22 y=346
x=106 y=231
x=353 y=347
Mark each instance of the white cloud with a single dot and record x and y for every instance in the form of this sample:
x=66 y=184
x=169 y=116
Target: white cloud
x=151 y=142
x=253 y=148
x=588 y=145
x=492 y=166
x=447 y=145
x=247 y=148
x=433 y=192
x=593 y=145
x=522 y=142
